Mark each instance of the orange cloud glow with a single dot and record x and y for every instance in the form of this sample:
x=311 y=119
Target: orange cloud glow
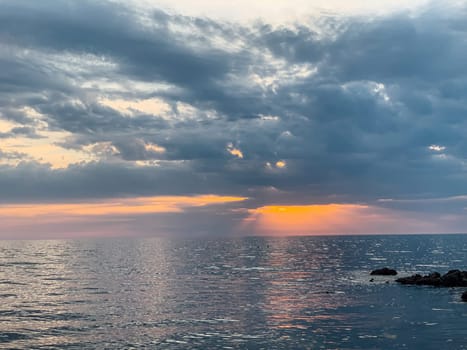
x=335 y=218
x=306 y=219
x=123 y=206
x=281 y=164
x=234 y=151
x=322 y=219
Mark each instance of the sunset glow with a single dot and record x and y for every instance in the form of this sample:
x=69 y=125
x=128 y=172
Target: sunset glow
x=124 y=206
x=337 y=218
x=306 y=219
x=257 y=104
x=233 y=174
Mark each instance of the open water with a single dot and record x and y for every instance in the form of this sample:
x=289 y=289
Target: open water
x=242 y=293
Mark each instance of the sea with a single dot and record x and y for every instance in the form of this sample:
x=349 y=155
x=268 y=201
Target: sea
x=230 y=293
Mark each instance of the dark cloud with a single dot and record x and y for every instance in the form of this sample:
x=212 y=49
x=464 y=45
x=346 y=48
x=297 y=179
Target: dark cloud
x=5 y=155
x=148 y=52
x=24 y=131
x=32 y=181
x=351 y=105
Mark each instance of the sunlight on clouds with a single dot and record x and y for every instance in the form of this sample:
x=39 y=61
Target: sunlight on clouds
x=125 y=86
x=436 y=148
x=277 y=11
x=215 y=39
x=153 y=106
x=154 y=148
x=6 y=125
x=75 y=64
x=269 y=117
x=376 y=89
x=32 y=113
x=45 y=148
x=147 y=163
x=102 y=149
x=380 y=90
x=122 y=206
x=186 y=111
x=234 y=151
x=45 y=151
x=281 y=73
x=281 y=164
x=107 y=150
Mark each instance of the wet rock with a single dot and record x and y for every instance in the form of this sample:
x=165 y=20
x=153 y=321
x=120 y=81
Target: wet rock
x=384 y=272
x=454 y=278
x=409 y=280
x=464 y=296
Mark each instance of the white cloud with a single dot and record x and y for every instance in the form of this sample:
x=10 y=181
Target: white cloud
x=277 y=11
x=436 y=148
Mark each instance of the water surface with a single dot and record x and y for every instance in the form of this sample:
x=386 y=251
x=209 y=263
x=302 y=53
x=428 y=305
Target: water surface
x=244 y=293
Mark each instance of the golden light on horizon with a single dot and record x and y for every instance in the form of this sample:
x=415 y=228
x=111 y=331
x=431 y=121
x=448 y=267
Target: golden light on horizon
x=122 y=206
x=307 y=219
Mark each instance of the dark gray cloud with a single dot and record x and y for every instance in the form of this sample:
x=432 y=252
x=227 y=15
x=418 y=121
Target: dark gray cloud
x=25 y=131
x=352 y=105
x=32 y=181
x=6 y=155
x=145 y=52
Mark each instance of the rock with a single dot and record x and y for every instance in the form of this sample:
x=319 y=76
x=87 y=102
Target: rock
x=464 y=296
x=409 y=280
x=454 y=278
x=433 y=279
x=384 y=272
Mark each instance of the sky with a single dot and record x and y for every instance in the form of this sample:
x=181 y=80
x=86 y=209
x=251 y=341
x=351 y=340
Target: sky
x=163 y=118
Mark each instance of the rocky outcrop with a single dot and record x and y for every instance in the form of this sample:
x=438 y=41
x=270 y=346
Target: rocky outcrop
x=384 y=272
x=454 y=278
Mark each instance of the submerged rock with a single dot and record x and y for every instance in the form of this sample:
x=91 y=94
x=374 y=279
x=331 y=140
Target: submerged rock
x=454 y=278
x=464 y=296
x=384 y=272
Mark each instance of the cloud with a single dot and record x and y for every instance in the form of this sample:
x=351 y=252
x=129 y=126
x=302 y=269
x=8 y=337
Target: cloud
x=119 y=206
x=25 y=131
x=337 y=109
x=329 y=219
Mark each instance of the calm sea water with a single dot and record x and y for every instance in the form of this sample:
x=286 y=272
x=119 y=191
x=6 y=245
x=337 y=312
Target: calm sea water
x=245 y=293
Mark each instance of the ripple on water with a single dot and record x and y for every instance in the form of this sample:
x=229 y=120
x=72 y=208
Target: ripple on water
x=7 y=337
x=249 y=293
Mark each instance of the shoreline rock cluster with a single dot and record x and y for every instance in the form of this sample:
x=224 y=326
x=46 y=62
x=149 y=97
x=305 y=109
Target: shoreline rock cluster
x=453 y=278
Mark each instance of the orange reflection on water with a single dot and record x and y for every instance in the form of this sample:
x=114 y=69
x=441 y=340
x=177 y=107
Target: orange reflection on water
x=296 y=297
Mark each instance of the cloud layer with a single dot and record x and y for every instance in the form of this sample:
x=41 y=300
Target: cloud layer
x=100 y=100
